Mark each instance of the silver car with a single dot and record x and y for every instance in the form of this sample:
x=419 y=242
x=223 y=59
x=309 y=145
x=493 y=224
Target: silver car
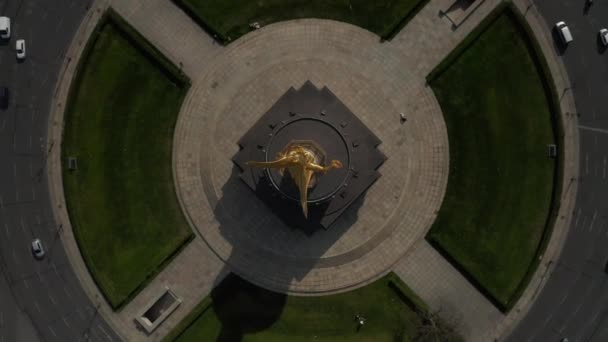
x=604 y=36
x=5 y=27
x=37 y=249
x=20 y=48
x=564 y=32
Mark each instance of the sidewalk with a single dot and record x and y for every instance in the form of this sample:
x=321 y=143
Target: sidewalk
x=479 y=319
x=196 y=265
x=421 y=45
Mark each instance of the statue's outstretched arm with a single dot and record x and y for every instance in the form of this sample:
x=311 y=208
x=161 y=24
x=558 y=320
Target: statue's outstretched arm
x=335 y=164
x=275 y=164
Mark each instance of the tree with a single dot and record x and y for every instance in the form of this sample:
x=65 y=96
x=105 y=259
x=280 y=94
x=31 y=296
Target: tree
x=437 y=329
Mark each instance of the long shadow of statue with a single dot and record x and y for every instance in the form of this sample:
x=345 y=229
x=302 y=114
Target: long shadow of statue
x=310 y=126
x=244 y=308
x=271 y=256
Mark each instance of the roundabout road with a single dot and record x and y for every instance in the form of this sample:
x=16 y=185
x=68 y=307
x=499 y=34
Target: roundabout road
x=574 y=301
x=47 y=295
x=42 y=294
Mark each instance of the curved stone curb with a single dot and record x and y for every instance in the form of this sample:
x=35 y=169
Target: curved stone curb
x=240 y=85
x=569 y=177
x=479 y=320
x=203 y=191
x=53 y=162
x=191 y=274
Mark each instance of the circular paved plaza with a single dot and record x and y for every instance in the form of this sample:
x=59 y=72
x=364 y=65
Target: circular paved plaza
x=382 y=231
x=242 y=83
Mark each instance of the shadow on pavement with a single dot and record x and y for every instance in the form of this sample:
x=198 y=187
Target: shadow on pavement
x=601 y=48
x=252 y=229
x=559 y=47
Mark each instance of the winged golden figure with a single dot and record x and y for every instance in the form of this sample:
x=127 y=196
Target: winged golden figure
x=302 y=165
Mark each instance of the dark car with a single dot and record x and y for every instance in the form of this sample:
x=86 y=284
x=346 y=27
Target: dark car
x=3 y=97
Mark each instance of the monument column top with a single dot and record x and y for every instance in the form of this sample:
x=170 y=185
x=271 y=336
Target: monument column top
x=318 y=117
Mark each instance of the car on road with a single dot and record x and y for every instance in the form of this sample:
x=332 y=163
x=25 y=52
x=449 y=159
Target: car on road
x=37 y=249
x=604 y=36
x=20 y=47
x=5 y=27
x=564 y=32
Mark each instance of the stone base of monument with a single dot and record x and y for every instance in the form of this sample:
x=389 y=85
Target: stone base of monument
x=316 y=117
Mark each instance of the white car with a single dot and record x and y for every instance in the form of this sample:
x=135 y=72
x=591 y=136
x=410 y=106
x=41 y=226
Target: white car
x=5 y=27
x=37 y=249
x=564 y=32
x=604 y=36
x=20 y=47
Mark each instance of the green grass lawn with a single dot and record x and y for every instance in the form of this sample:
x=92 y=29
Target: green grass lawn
x=237 y=310
x=121 y=200
x=231 y=18
x=500 y=184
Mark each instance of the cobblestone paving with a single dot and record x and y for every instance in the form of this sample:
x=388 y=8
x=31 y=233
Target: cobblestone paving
x=244 y=82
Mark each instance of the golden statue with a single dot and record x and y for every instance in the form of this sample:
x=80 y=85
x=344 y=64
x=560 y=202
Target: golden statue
x=302 y=162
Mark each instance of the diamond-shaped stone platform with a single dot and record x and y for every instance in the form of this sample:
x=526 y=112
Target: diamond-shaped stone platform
x=317 y=115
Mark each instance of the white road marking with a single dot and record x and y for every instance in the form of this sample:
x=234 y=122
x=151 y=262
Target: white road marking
x=583 y=223
x=81 y=314
x=65 y=320
x=58 y=27
x=6 y=228
x=593 y=129
x=37 y=306
x=27 y=286
x=592 y=221
x=104 y=332
x=39 y=276
x=52 y=299
x=52 y=331
x=56 y=272
x=15 y=256
x=595 y=140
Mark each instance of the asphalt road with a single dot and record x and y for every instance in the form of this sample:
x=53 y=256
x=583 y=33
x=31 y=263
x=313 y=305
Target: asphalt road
x=38 y=299
x=574 y=303
x=43 y=299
